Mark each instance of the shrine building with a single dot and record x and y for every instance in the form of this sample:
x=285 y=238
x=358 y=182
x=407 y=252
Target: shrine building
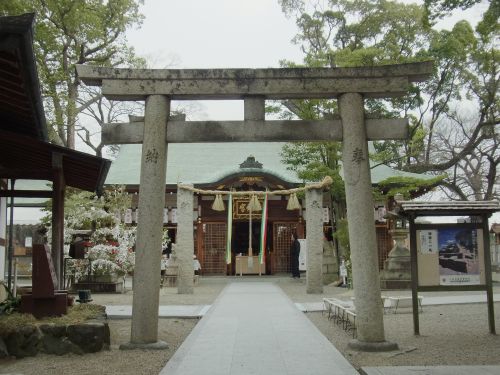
x=236 y=166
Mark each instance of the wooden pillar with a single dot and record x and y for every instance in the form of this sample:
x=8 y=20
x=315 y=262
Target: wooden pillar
x=414 y=275
x=487 y=274
x=57 y=245
x=10 y=250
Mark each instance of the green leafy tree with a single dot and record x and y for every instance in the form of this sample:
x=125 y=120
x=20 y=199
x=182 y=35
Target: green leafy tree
x=452 y=116
x=69 y=32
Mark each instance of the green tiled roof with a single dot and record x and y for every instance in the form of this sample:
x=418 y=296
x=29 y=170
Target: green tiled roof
x=201 y=163
x=381 y=172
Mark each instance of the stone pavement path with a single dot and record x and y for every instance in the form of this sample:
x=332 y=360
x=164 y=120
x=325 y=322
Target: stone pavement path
x=164 y=311
x=254 y=328
x=431 y=370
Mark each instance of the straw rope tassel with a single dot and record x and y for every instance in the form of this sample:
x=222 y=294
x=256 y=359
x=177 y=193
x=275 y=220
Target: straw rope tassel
x=254 y=204
x=293 y=202
x=218 y=204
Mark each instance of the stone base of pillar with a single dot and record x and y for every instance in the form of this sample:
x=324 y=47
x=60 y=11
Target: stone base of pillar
x=364 y=346
x=158 y=345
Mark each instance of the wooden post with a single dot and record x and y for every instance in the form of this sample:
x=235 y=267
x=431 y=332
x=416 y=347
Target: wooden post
x=57 y=248
x=414 y=275
x=11 y=235
x=487 y=274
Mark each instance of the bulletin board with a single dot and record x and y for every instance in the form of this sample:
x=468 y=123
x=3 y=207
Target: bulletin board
x=450 y=255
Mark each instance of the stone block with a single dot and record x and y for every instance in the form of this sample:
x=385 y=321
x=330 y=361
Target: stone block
x=90 y=337
x=55 y=330
x=58 y=345
x=3 y=349
x=24 y=342
x=54 y=340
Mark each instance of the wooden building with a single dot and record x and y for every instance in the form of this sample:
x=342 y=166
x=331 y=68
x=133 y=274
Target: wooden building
x=238 y=166
x=25 y=152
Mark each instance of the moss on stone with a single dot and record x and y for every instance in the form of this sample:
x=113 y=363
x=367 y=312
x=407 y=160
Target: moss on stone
x=76 y=314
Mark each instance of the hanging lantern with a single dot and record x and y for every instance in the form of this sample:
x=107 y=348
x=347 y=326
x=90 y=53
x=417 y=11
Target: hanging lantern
x=218 y=204
x=254 y=204
x=293 y=202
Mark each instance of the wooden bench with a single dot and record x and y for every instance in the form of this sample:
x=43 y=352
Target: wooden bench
x=332 y=304
x=384 y=299
x=400 y=301
x=342 y=312
x=350 y=322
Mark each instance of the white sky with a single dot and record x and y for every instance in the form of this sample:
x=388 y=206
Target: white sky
x=183 y=34
x=215 y=34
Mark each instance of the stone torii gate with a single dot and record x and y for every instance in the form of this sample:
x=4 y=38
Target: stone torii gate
x=348 y=85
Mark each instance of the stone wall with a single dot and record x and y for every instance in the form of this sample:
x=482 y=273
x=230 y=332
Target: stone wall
x=59 y=339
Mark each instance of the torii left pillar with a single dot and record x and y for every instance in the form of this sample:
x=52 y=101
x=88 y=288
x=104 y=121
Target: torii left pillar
x=144 y=333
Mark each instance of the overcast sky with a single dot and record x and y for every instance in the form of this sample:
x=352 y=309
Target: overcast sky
x=215 y=34
x=203 y=34
x=225 y=33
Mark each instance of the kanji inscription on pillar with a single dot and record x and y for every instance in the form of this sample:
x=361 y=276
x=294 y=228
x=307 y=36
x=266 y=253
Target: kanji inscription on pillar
x=358 y=156
x=152 y=156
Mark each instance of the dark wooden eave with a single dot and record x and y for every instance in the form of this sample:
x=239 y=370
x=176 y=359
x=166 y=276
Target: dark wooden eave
x=451 y=208
x=23 y=157
x=24 y=149
x=21 y=108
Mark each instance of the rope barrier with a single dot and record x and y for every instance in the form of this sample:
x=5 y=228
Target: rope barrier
x=327 y=181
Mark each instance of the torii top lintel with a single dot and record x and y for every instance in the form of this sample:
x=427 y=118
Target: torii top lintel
x=288 y=83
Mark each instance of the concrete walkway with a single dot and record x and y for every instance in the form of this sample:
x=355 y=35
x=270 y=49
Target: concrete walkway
x=198 y=311
x=431 y=370
x=164 y=311
x=426 y=301
x=254 y=328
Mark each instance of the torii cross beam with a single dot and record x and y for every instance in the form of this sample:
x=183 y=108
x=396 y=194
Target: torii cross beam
x=348 y=85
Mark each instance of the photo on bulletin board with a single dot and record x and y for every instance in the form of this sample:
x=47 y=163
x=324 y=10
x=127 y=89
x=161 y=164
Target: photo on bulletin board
x=458 y=256
x=450 y=255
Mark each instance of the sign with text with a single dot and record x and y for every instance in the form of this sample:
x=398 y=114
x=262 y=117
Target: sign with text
x=241 y=211
x=303 y=254
x=450 y=256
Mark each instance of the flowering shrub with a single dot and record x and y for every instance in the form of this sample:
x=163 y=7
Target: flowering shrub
x=77 y=268
x=113 y=252
x=111 y=243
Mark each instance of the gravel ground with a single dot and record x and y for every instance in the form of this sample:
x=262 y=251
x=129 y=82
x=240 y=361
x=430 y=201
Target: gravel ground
x=450 y=334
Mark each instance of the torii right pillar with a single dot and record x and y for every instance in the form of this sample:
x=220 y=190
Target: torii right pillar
x=363 y=244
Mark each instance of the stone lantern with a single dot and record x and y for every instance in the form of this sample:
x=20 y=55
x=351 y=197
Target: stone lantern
x=397 y=267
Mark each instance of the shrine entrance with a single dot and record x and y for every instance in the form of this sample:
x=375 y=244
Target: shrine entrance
x=213 y=254
x=241 y=236
x=349 y=86
x=280 y=256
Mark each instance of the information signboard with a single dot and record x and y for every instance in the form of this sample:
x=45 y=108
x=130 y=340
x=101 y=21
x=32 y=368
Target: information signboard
x=450 y=255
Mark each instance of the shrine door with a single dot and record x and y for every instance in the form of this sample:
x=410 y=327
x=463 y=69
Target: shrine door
x=282 y=233
x=214 y=248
